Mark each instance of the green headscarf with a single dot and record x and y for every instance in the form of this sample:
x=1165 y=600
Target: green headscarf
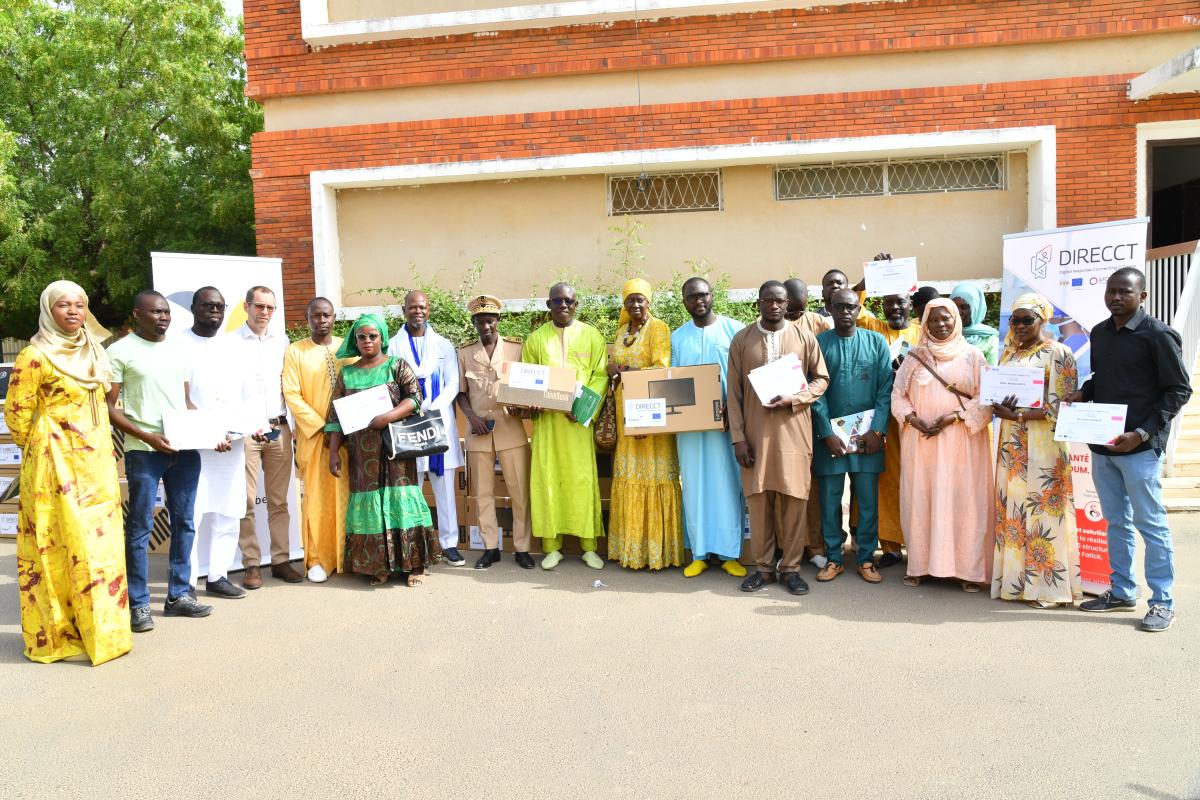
x=349 y=348
x=973 y=295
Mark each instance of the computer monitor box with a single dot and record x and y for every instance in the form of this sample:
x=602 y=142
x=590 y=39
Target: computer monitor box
x=676 y=392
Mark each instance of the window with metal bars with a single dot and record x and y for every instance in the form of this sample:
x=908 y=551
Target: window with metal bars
x=664 y=192
x=906 y=176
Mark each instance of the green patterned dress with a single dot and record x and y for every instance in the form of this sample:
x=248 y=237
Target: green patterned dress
x=388 y=525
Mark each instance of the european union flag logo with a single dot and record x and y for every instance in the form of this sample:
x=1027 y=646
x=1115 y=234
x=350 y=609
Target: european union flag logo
x=1077 y=281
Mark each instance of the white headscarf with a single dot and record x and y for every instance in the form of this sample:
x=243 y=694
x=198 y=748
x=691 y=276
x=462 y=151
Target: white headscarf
x=79 y=355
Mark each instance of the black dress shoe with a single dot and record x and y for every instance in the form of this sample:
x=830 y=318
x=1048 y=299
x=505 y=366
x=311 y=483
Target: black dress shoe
x=488 y=558
x=889 y=560
x=223 y=588
x=795 y=584
x=525 y=561
x=757 y=581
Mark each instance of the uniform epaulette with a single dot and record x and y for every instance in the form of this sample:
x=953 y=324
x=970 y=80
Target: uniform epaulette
x=513 y=339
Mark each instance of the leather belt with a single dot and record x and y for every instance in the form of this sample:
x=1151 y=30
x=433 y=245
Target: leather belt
x=280 y=420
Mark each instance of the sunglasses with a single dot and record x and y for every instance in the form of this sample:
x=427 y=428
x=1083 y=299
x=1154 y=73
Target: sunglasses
x=561 y=301
x=366 y=337
x=1022 y=321
x=213 y=306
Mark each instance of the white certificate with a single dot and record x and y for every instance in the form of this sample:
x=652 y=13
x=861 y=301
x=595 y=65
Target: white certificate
x=355 y=411
x=1090 y=423
x=10 y=454
x=646 y=413
x=1027 y=383
x=194 y=429
x=900 y=347
x=898 y=276
x=245 y=419
x=529 y=376
x=783 y=377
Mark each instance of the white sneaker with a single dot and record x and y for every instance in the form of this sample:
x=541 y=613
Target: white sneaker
x=316 y=574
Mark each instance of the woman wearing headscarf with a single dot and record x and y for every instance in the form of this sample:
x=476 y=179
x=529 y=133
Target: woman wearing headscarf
x=646 y=519
x=70 y=535
x=1036 y=556
x=945 y=474
x=389 y=529
x=972 y=308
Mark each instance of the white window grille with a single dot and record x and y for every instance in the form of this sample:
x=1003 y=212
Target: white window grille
x=664 y=192
x=907 y=176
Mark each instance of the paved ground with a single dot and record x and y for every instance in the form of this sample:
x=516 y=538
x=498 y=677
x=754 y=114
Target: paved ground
x=526 y=684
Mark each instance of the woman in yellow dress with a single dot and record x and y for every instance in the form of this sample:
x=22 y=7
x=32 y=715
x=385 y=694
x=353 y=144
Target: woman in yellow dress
x=1036 y=557
x=70 y=536
x=646 y=519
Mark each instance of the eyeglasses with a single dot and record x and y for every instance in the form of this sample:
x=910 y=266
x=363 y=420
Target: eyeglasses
x=263 y=307
x=561 y=301
x=697 y=295
x=1022 y=321
x=213 y=306
x=366 y=337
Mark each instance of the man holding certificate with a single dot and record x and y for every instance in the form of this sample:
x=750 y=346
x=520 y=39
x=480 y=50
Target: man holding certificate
x=772 y=436
x=901 y=334
x=217 y=384
x=150 y=374
x=1138 y=363
x=860 y=381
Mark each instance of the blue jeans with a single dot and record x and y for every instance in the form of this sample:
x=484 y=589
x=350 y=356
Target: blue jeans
x=179 y=474
x=1130 y=490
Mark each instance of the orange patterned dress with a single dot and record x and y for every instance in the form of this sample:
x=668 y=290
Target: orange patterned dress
x=1036 y=555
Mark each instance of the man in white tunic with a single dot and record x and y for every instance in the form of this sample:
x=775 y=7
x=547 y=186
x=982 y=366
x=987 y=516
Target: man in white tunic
x=435 y=361
x=216 y=382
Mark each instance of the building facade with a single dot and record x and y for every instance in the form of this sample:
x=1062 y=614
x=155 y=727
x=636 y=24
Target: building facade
x=759 y=139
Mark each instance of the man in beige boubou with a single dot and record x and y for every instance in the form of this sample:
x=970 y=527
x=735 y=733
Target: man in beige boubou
x=493 y=433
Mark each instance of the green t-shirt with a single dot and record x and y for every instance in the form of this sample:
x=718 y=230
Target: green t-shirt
x=152 y=375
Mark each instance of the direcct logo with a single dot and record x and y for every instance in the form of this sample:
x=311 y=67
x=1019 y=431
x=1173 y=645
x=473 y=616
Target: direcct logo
x=1041 y=260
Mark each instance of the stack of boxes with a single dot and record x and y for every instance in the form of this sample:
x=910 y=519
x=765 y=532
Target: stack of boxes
x=10 y=463
x=160 y=531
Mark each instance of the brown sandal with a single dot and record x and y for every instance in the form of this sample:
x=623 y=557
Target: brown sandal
x=912 y=580
x=416 y=579
x=378 y=580
x=971 y=588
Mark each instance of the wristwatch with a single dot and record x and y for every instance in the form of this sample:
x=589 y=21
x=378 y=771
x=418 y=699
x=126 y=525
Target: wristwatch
x=1145 y=436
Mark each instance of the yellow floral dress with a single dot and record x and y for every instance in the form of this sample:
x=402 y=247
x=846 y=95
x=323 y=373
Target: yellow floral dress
x=70 y=536
x=645 y=519
x=1036 y=555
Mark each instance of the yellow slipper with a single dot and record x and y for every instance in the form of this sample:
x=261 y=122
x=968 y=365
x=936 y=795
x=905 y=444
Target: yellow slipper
x=695 y=568
x=734 y=568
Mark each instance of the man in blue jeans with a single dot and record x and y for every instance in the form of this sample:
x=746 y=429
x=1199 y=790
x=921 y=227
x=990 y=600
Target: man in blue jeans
x=150 y=375
x=1138 y=362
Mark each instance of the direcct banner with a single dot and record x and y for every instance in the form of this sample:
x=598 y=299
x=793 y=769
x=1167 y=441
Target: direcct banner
x=1070 y=267
x=178 y=276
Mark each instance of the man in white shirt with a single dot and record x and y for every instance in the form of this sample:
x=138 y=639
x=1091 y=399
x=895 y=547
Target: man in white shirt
x=260 y=353
x=435 y=361
x=216 y=382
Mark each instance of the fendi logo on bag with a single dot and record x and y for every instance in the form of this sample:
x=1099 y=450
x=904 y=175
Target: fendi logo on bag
x=417 y=438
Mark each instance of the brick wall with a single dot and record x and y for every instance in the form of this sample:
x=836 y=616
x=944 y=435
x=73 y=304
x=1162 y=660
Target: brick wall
x=280 y=63
x=1095 y=121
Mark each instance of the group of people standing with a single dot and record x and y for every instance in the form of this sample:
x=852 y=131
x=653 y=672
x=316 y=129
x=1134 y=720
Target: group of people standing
x=921 y=478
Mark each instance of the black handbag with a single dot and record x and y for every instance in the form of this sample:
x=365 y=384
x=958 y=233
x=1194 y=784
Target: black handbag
x=420 y=434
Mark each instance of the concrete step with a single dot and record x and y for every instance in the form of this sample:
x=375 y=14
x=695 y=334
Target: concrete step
x=1181 y=486
x=1187 y=465
x=1182 y=505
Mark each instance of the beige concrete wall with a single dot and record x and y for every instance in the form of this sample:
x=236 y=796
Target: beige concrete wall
x=1132 y=54
x=350 y=10
x=531 y=232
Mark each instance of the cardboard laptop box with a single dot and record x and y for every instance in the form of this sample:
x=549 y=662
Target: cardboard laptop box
x=672 y=400
x=536 y=386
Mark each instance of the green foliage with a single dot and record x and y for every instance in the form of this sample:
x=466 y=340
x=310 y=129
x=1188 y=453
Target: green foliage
x=132 y=135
